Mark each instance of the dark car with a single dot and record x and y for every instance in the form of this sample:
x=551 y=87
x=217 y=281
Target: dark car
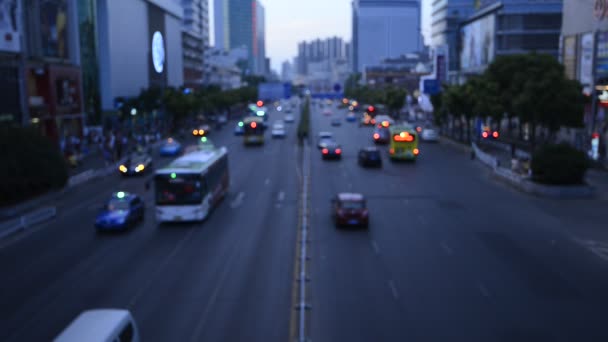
x=370 y=156
x=122 y=211
x=381 y=135
x=137 y=163
x=170 y=148
x=332 y=151
x=350 y=209
x=336 y=122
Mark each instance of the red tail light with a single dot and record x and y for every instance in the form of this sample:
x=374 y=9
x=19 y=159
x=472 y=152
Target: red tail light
x=254 y=125
x=373 y=121
x=416 y=151
x=391 y=151
x=418 y=129
x=495 y=135
x=325 y=151
x=338 y=151
x=376 y=136
x=484 y=134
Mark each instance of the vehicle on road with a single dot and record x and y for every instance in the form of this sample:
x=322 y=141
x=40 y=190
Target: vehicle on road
x=381 y=135
x=289 y=118
x=122 y=211
x=278 y=130
x=350 y=209
x=239 y=129
x=429 y=134
x=332 y=150
x=170 y=148
x=367 y=120
x=351 y=117
x=136 y=164
x=403 y=143
x=488 y=133
x=201 y=131
x=370 y=156
x=192 y=185
x=324 y=138
x=336 y=122
x=101 y=325
x=327 y=112
x=384 y=121
x=254 y=130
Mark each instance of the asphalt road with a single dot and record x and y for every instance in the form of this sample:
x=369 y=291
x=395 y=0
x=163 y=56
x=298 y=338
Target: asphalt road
x=227 y=279
x=450 y=255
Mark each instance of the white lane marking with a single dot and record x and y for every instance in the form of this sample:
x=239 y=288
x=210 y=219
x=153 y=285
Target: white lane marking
x=391 y=284
x=484 y=290
x=422 y=219
x=237 y=201
x=375 y=247
x=267 y=181
x=281 y=196
x=446 y=248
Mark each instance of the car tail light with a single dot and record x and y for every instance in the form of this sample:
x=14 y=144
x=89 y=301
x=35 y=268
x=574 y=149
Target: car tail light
x=484 y=134
x=495 y=135
x=373 y=121
x=391 y=151
x=418 y=129
x=376 y=136
x=416 y=151
x=338 y=151
x=325 y=151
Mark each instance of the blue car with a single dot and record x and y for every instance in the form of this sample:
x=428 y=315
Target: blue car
x=239 y=129
x=122 y=211
x=351 y=117
x=170 y=148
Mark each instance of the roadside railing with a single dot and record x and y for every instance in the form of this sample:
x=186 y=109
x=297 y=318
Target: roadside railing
x=27 y=220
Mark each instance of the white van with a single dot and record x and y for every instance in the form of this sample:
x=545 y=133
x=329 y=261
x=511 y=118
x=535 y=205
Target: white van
x=101 y=325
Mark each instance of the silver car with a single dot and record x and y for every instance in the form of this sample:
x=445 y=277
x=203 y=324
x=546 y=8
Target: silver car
x=429 y=134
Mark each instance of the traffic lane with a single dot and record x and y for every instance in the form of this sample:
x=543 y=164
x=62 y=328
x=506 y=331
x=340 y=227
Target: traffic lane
x=53 y=257
x=256 y=296
x=352 y=293
x=440 y=241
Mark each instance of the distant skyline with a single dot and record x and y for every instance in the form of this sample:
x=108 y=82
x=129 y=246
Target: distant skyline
x=289 y=22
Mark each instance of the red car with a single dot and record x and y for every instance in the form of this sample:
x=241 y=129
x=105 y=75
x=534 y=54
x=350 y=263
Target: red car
x=350 y=209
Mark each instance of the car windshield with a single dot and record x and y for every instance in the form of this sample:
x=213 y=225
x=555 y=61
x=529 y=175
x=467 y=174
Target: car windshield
x=181 y=189
x=117 y=205
x=352 y=205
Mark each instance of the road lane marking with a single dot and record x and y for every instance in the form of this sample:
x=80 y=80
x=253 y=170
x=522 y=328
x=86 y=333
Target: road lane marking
x=483 y=289
x=393 y=288
x=237 y=201
x=375 y=247
x=281 y=196
x=446 y=248
x=267 y=181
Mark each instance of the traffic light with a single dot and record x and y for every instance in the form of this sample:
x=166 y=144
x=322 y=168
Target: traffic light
x=260 y=103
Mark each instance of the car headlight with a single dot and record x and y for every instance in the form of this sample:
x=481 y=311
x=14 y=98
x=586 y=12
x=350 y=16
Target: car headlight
x=139 y=168
x=123 y=168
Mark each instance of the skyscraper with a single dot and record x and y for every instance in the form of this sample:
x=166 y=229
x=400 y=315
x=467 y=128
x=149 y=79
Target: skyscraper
x=384 y=29
x=241 y=28
x=220 y=16
x=259 y=47
x=195 y=39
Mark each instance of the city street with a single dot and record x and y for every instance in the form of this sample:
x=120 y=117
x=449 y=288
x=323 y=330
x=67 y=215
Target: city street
x=450 y=255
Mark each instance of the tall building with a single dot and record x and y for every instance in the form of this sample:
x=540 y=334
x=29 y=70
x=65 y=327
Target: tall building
x=335 y=48
x=195 y=39
x=384 y=29
x=286 y=71
x=508 y=27
x=220 y=25
x=446 y=18
x=259 y=43
x=241 y=14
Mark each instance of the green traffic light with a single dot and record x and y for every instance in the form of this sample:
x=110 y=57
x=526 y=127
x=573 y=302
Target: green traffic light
x=204 y=139
x=173 y=175
x=241 y=124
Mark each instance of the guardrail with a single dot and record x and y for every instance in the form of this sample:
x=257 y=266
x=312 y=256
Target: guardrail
x=484 y=157
x=27 y=220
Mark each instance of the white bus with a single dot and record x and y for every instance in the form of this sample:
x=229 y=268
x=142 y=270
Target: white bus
x=192 y=185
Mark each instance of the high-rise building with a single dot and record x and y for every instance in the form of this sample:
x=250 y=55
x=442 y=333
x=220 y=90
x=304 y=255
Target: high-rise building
x=195 y=39
x=259 y=48
x=241 y=17
x=384 y=29
x=334 y=48
x=286 y=71
x=220 y=25
x=446 y=17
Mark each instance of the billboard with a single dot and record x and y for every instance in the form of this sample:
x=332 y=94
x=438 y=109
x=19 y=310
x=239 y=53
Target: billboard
x=9 y=25
x=274 y=91
x=601 y=58
x=53 y=28
x=477 y=40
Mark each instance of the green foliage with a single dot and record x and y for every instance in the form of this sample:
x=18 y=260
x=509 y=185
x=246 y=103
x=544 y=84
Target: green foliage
x=559 y=164
x=178 y=104
x=304 y=124
x=31 y=165
x=395 y=98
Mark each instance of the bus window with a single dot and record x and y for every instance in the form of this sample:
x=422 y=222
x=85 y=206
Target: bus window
x=183 y=189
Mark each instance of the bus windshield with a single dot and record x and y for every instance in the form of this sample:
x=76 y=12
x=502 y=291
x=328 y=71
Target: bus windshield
x=181 y=189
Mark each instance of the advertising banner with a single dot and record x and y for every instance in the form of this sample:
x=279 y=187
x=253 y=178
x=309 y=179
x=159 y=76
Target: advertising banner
x=569 y=57
x=9 y=25
x=586 y=58
x=54 y=28
x=601 y=62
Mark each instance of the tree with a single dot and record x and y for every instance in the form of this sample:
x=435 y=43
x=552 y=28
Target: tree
x=459 y=100
x=395 y=99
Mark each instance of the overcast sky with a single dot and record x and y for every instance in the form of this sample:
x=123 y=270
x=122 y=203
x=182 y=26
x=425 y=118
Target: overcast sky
x=291 y=21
